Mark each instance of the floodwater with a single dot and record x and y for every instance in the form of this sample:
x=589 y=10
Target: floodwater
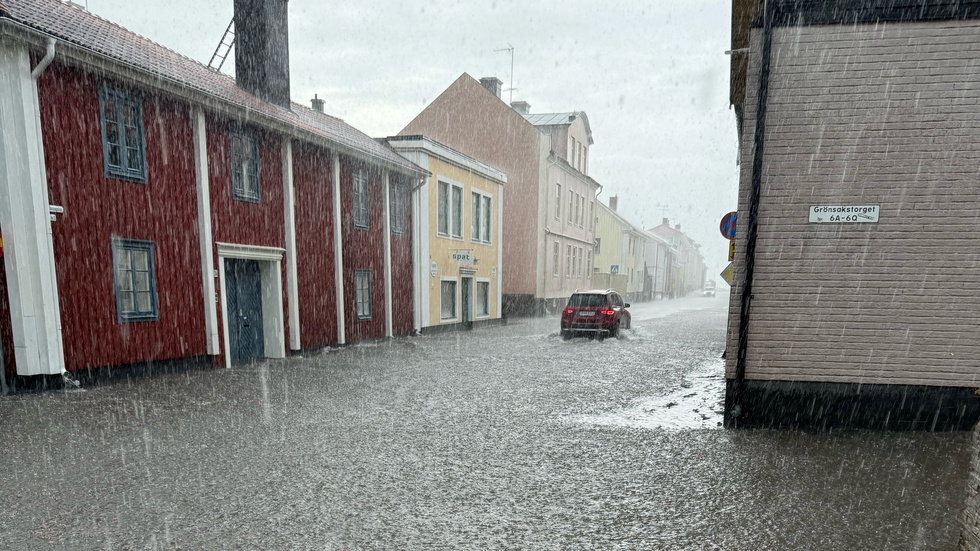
x=500 y=438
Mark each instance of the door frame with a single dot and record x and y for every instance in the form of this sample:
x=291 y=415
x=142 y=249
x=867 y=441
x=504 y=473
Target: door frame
x=273 y=317
x=466 y=308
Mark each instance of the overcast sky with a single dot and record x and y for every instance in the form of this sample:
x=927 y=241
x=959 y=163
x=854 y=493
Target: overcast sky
x=652 y=77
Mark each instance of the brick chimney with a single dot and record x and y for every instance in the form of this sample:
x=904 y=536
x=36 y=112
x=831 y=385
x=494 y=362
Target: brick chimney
x=262 y=49
x=317 y=103
x=521 y=107
x=493 y=84
x=613 y=202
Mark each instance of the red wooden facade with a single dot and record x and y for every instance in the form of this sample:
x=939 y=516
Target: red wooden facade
x=97 y=209
x=164 y=211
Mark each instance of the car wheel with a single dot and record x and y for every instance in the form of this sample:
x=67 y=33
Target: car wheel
x=566 y=335
x=614 y=332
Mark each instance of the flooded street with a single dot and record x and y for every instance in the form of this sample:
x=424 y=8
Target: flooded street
x=501 y=438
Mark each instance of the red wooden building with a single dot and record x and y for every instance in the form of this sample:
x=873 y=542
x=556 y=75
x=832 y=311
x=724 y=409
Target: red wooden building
x=152 y=208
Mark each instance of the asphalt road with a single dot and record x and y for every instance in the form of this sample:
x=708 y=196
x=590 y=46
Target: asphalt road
x=502 y=438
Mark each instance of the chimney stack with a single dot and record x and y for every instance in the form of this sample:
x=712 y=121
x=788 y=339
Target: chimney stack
x=317 y=103
x=613 y=202
x=493 y=84
x=665 y=223
x=677 y=227
x=521 y=107
x=262 y=49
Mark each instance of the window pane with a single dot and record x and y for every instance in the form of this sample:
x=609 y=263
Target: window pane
x=443 y=201
x=126 y=302
x=486 y=219
x=448 y=299
x=114 y=158
x=141 y=259
x=143 y=302
x=475 y=216
x=483 y=298
x=142 y=281
x=123 y=260
x=132 y=158
x=457 y=212
x=125 y=281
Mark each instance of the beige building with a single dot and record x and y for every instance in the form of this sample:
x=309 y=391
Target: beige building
x=459 y=229
x=620 y=253
x=855 y=298
x=549 y=196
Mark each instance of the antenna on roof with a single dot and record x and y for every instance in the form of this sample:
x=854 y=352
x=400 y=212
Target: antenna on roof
x=227 y=41
x=663 y=209
x=510 y=49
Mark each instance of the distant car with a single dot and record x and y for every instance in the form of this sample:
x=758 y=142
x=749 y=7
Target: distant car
x=596 y=313
x=709 y=290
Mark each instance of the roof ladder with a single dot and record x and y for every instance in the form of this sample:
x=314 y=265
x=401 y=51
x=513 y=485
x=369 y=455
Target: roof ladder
x=221 y=52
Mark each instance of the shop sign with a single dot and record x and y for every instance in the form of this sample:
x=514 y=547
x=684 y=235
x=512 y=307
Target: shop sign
x=463 y=257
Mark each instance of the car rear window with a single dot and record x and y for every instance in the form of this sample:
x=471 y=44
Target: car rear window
x=587 y=300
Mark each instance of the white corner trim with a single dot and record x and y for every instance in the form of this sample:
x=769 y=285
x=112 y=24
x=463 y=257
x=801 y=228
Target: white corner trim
x=198 y=123
x=386 y=226
x=338 y=249
x=292 y=277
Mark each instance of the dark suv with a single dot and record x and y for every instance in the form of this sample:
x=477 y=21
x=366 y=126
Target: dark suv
x=597 y=313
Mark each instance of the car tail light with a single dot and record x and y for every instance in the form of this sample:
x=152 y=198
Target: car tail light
x=568 y=311
x=607 y=312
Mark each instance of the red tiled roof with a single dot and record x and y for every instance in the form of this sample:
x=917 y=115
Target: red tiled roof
x=73 y=24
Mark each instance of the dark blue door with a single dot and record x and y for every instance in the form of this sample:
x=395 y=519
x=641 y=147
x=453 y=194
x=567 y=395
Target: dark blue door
x=245 y=335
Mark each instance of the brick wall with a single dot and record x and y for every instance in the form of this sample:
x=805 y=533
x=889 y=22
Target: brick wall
x=883 y=115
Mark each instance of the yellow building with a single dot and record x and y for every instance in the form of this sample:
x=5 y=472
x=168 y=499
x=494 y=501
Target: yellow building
x=457 y=236
x=619 y=253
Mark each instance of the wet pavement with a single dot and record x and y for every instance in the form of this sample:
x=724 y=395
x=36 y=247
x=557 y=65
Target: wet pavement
x=501 y=438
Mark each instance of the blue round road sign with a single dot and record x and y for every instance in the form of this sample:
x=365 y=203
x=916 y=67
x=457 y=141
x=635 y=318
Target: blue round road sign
x=728 y=225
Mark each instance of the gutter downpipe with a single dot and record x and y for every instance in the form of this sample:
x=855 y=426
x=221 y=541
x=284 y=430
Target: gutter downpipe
x=736 y=408
x=49 y=52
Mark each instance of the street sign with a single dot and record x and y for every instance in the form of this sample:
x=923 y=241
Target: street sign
x=728 y=225
x=728 y=274
x=823 y=214
x=614 y=269
x=731 y=251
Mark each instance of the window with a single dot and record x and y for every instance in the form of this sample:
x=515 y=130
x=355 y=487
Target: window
x=598 y=245
x=447 y=299
x=457 y=214
x=568 y=260
x=396 y=202
x=121 y=118
x=575 y=261
x=557 y=258
x=244 y=165
x=571 y=203
x=443 y=206
x=588 y=262
x=480 y=224
x=482 y=298
x=362 y=218
x=579 y=201
x=136 y=295
x=487 y=217
x=362 y=293
x=585 y=160
x=558 y=201
x=475 y=216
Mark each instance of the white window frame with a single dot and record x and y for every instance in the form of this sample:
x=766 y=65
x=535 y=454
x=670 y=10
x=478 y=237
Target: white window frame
x=480 y=222
x=571 y=202
x=455 y=280
x=361 y=192
x=568 y=260
x=476 y=297
x=557 y=259
x=450 y=211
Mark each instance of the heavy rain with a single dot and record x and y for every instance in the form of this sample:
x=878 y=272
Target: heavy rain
x=439 y=275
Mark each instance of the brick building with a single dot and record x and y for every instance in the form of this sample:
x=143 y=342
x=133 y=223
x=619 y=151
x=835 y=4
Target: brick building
x=869 y=320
